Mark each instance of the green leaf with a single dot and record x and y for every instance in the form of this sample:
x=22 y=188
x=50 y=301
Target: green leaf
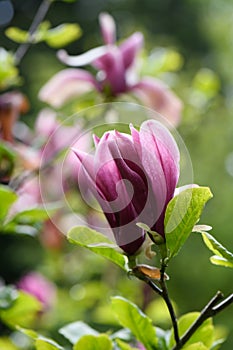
x=222 y=257
x=98 y=243
x=41 y=342
x=130 y=316
x=92 y=342
x=7 y=198
x=9 y=74
x=204 y=334
x=18 y=35
x=74 y=331
x=182 y=213
x=7 y=344
x=62 y=35
x=196 y=346
x=23 y=312
x=124 y=346
x=7 y=161
x=8 y=295
x=218 y=260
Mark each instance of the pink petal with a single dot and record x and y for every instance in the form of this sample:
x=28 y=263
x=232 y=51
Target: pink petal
x=130 y=47
x=113 y=67
x=83 y=59
x=108 y=28
x=155 y=94
x=67 y=84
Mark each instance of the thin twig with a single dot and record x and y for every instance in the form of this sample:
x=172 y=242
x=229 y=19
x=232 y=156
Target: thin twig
x=209 y=310
x=39 y=17
x=168 y=302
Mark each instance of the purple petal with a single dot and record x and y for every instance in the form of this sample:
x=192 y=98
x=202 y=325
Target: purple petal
x=155 y=94
x=160 y=158
x=83 y=59
x=67 y=84
x=108 y=28
x=113 y=67
x=130 y=47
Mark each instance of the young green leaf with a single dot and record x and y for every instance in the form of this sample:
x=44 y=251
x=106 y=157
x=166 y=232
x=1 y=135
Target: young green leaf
x=8 y=295
x=18 y=35
x=74 y=331
x=9 y=73
x=182 y=213
x=23 y=311
x=62 y=35
x=196 y=346
x=124 y=346
x=92 y=342
x=222 y=257
x=98 y=243
x=130 y=316
x=204 y=334
x=7 y=198
x=41 y=342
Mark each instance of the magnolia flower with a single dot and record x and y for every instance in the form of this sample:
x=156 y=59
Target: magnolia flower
x=115 y=75
x=133 y=177
x=37 y=285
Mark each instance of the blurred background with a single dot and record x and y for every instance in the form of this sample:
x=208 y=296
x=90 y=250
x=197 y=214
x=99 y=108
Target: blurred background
x=190 y=48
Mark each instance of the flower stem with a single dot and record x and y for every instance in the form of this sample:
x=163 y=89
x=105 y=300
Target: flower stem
x=209 y=310
x=39 y=17
x=168 y=302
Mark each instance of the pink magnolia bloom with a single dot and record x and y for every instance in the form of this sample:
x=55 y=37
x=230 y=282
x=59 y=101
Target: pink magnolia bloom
x=115 y=75
x=133 y=177
x=37 y=285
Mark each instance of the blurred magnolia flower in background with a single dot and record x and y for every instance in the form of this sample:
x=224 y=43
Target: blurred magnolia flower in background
x=40 y=287
x=133 y=177
x=116 y=74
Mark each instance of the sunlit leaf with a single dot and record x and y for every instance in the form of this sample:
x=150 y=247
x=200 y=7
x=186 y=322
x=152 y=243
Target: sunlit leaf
x=130 y=316
x=98 y=243
x=196 y=346
x=9 y=74
x=124 y=346
x=74 y=331
x=220 y=261
x=204 y=334
x=18 y=35
x=92 y=342
x=23 y=312
x=7 y=344
x=8 y=295
x=222 y=257
x=62 y=35
x=7 y=198
x=182 y=213
x=41 y=342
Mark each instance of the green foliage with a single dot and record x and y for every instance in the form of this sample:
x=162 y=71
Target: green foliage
x=22 y=312
x=92 y=342
x=8 y=295
x=130 y=316
x=41 y=342
x=7 y=160
x=62 y=35
x=74 y=331
x=7 y=198
x=56 y=37
x=98 y=243
x=18 y=35
x=9 y=74
x=204 y=334
x=7 y=344
x=182 y=213
x=222 y=256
